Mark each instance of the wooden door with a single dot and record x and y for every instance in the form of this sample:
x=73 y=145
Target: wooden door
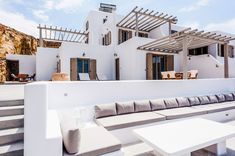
x=117 y=69
x=149 y=66
x=92 y=71
x=170 y=62
x=73 y=69
x=12 y=68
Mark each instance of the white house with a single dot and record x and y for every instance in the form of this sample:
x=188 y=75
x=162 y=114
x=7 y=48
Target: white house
x=115 y=47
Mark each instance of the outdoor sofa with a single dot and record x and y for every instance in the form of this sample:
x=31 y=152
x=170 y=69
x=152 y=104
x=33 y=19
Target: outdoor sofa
x=122 y=115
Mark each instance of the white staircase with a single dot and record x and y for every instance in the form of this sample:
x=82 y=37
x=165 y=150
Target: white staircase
x=11 y=128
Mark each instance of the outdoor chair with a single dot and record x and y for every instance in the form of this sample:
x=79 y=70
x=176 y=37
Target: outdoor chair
x=15 y=78
x=102 y=77
x=32 y=77
x=84 y=77
x=192 y=74
x=168 y=75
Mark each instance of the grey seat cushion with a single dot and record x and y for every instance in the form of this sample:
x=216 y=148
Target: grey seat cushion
x=157 y=104
x=228 y=97
x=213 y=108
x=213 y=99
x=125 y=107
x=183 y=102
x=105 y=110
x=194 y=101
x=171 y=103
x=129 y=120
x=97 y=141
x=71 y=135
x=182 y=112
x=142 y=106
x=221 y=97
x=204 y=100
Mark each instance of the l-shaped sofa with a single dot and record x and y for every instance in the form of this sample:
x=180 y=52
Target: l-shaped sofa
x=120 y=118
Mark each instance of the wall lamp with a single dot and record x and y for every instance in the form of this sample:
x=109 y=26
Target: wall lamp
x=83 y=54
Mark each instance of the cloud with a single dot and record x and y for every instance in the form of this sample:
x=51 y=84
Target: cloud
x=226 y=26
x=195 y=6
x=65 y=5
x=19 y=22
x=40 y=14
x=192 y=24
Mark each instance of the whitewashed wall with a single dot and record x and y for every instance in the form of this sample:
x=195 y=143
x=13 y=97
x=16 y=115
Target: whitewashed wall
x=104 y=56
x=27 y=63
x=42 y=136
x=45 y=63
x=207 y=66
x=11 y=92
x=133 y=61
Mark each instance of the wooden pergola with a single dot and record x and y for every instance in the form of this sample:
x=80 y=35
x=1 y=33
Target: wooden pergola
x=50 y=33
x=143 y=20
x=189 y=39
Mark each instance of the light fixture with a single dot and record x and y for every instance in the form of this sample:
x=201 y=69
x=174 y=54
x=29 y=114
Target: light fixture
x=83 y=54
x=115 y=54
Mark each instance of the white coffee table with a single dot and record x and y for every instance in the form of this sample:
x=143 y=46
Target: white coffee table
x=183 y=137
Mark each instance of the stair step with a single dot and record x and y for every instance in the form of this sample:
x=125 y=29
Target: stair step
x=14 y=149
x=11 y=103
x=11 y=121
x=12 y=135
x=11 y=110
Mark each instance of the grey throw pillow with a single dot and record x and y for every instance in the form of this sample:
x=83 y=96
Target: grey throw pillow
x=171 y=103
x=157 y=104
x=125 y=107
x=194 y=101
x=221 y=97
x=142 y=106
x=183 y=102
x=71 y=136
x=204 y=100
x=105 y=110
x=228 y=97
x=213 y=99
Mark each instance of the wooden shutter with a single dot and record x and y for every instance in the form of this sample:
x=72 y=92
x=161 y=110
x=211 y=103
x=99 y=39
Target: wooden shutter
x=117 y=69
x=73 y=69
x=119 y=36
x=170 y=62
x=149 y=66
x=92 y=69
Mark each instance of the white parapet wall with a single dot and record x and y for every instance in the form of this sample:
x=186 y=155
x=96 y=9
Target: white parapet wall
x=42 y=134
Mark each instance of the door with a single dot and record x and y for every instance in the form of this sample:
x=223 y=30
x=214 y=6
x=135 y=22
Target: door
x=117 y=69
x=92 y=69
x=12 y=68
x=73 y=69
x=149 y=66
x=170 y=62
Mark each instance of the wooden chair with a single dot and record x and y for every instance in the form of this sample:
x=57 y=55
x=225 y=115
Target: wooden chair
x=168 y=75
x=192 y=74
x=15 y=78
x=32 y=77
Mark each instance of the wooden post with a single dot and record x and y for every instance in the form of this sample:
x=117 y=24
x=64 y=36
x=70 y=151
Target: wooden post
x=40 y=36
x=170 y=27
x=226 y=68
x=184 y=62
x=137 y=25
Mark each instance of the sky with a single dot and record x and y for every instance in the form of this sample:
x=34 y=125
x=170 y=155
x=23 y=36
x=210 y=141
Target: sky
x=26 y=15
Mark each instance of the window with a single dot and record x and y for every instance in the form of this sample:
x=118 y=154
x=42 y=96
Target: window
x=199 y=51
x=124 y=35
x=107 y=39
x=221 y=51
x=143 y=35
x=87 y=25
x=82 y=65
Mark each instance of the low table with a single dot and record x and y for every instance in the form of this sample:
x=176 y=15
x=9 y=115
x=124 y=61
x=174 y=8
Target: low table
x=183 y=137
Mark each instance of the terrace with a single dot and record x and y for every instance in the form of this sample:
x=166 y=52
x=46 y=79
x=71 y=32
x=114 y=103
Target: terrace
x=114 y=122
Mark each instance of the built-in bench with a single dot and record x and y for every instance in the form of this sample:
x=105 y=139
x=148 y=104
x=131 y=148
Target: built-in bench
x=120 y=115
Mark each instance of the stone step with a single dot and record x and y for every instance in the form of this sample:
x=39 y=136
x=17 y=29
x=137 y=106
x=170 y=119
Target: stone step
x=11 y=103
x=12 y=135
x=11 y=110
x=14 y=149
x=11 y=122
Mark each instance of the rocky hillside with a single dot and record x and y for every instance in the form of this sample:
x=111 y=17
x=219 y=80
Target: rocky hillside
x=15 y=42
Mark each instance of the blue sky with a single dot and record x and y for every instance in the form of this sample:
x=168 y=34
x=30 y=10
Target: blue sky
x=25 y=15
